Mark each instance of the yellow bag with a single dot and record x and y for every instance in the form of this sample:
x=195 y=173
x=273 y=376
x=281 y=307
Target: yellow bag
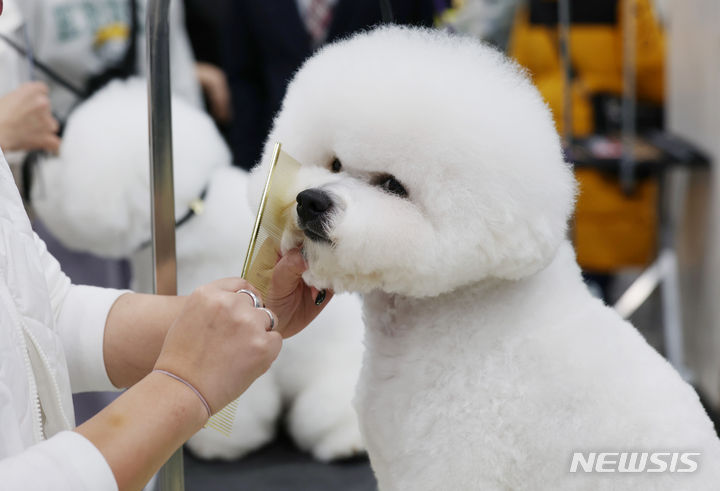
x=611 y=230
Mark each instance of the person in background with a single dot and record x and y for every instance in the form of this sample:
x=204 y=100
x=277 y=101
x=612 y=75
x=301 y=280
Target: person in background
x=26 y=122
x=84 y=43
x=204 y=20
x=268 y=41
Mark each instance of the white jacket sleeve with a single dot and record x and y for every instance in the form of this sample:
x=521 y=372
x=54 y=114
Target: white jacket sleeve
x=66 y=462
x=80 y=314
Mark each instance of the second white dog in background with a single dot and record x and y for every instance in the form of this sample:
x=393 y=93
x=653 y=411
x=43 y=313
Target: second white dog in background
x=95 y=197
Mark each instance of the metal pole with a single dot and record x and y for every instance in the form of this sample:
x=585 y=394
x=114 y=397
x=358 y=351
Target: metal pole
x=171 y=476
x=627 y=162
x=564 y=45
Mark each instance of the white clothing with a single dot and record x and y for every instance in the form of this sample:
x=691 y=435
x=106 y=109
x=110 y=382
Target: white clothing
x=80 y=38
x=51 y=340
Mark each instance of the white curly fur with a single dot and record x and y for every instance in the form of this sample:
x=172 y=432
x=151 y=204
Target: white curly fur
x=488 y=363
x=95 y=197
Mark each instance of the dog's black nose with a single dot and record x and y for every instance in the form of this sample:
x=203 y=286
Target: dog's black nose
x=312 y=204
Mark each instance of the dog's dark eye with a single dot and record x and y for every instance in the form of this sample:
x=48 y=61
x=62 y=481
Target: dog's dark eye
x=336 y=165
x=391 y=185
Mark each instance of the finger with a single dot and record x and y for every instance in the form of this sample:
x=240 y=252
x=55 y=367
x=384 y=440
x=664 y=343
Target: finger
x=234 y=284
x=51 y=144
x=39 y=87
x=288 y=272
x=272 y=320
x=276 y=341
x=314 y=292
x=223 y=103
x=43 y=103
x=53 y=124
x=321 y=299
x=218 y=110
x=323 y=296
x=313 y=307
x=255 y=300
x=263 y=319
x=310 y=309
x=272 y=345
x=294 y=260
x=47 y=124
x=222 y=111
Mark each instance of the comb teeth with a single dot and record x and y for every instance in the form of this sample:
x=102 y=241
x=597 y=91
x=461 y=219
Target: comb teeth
x=272 y=216
x=222 y=421
x=264 y=248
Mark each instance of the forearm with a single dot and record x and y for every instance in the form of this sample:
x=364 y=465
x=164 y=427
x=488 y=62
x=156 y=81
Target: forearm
x=134 y=333
x=139 y=431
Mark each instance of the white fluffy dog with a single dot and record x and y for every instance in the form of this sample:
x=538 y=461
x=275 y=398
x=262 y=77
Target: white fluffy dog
x=95 y=197
x=433 y=182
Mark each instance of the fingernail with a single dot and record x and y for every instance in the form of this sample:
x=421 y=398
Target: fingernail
x=320 y=297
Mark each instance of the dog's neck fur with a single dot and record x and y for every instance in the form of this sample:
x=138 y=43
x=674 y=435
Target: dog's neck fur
x=443 y=345
x=394 y=316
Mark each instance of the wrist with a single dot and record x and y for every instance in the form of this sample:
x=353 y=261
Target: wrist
x=139 y=431
x=190 y=386
x=185 y=407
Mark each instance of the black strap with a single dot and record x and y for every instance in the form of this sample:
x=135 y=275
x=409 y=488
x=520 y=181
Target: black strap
x=183 y=219
x=51 y=74
x=28 y=171
x=191 y=211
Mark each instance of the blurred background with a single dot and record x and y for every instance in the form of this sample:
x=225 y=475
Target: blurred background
x=634 y=86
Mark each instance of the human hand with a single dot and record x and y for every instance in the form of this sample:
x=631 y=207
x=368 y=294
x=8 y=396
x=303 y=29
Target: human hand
x=290 y=298
x=26 y=121
x=215 y=85
x=219 y=342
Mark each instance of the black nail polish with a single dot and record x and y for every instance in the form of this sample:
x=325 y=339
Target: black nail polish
x=320 y=297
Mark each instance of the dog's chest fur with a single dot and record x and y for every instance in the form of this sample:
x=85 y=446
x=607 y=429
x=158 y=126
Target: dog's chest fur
x=495 y=385
x=431 y=368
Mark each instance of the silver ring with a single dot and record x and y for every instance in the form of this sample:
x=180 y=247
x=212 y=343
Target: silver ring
x=272 y=318
x=254 y=297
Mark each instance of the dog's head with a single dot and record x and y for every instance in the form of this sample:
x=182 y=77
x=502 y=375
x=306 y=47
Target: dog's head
x=429 y=162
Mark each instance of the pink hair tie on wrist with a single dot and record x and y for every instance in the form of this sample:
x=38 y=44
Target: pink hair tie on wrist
x=197 y=392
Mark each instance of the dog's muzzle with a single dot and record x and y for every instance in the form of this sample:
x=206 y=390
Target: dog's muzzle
x=313 y=210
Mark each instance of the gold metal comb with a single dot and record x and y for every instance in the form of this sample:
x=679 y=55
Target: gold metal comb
x=263 y=251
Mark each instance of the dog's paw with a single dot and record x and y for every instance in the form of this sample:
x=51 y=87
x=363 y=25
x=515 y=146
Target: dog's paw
x=323 y=421
x=254 y=425
x=342 y=441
